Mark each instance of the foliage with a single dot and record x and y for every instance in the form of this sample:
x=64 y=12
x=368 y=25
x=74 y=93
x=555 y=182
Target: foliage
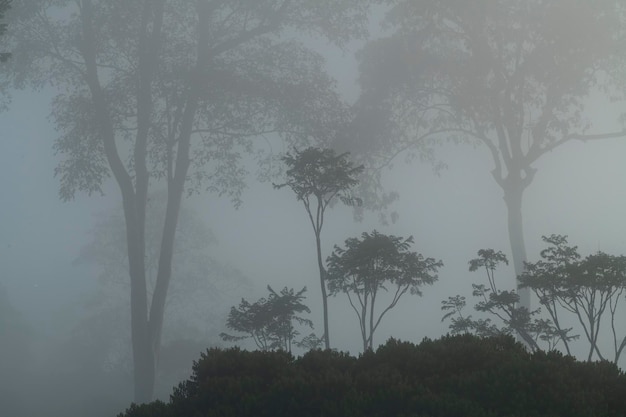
x=319 y=177
x=269 y=322
x=460 y=375
x=589 y=288
x=376 y=263
x=503 y=305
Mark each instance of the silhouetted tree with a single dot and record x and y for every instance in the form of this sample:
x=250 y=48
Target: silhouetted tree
x=319 y=177
x=504 y=306
x=589 y=288
x=376 y=263
x=513 y=75
x=269 y=322
x=172 y=92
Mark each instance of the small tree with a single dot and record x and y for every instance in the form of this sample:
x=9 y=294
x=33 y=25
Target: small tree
x=587 y=288
x=504 y=305
x=373 y=263
x=319 y=177
x=269 y=321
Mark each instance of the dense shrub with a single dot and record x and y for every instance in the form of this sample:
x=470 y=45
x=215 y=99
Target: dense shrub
x=453 y=376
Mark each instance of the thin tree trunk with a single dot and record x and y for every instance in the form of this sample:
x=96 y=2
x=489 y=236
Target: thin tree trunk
x=143 y=358
x=322 y=270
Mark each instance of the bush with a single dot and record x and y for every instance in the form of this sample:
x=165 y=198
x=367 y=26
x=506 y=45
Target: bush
x=453 y=376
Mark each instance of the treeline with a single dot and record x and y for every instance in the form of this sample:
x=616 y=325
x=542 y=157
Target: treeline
x=462 y=375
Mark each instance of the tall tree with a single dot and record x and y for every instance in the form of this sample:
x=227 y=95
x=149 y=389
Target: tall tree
x=514 y=75
x=171 y=92
x=376 y=263
x=319 y=177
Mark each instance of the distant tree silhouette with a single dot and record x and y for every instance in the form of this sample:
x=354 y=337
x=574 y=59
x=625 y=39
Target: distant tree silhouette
x=512 y=75
x=173 y=93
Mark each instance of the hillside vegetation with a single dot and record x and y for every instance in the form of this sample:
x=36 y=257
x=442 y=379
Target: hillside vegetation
x=461 y=375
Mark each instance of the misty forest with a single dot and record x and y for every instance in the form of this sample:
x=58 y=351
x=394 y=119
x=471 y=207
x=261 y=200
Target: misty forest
x=313 y=207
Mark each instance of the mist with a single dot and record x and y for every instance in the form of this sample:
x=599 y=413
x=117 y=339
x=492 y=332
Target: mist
x=66 y=345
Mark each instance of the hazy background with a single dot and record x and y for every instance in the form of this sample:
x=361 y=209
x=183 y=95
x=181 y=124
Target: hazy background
x=579 y=190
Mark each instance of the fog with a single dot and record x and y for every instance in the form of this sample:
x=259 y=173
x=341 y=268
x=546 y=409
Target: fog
x=65 y=309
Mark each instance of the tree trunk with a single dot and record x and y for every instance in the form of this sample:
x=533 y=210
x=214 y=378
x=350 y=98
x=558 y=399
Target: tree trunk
x=143 y=355
x=322 y=270
x=513 y=195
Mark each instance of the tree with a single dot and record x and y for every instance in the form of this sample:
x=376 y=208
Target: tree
x=504 y=306
x=171 y=93
x=368 y=266
x=512 y=75
x=319 y=177
x=587 y=288
x=269 y=322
